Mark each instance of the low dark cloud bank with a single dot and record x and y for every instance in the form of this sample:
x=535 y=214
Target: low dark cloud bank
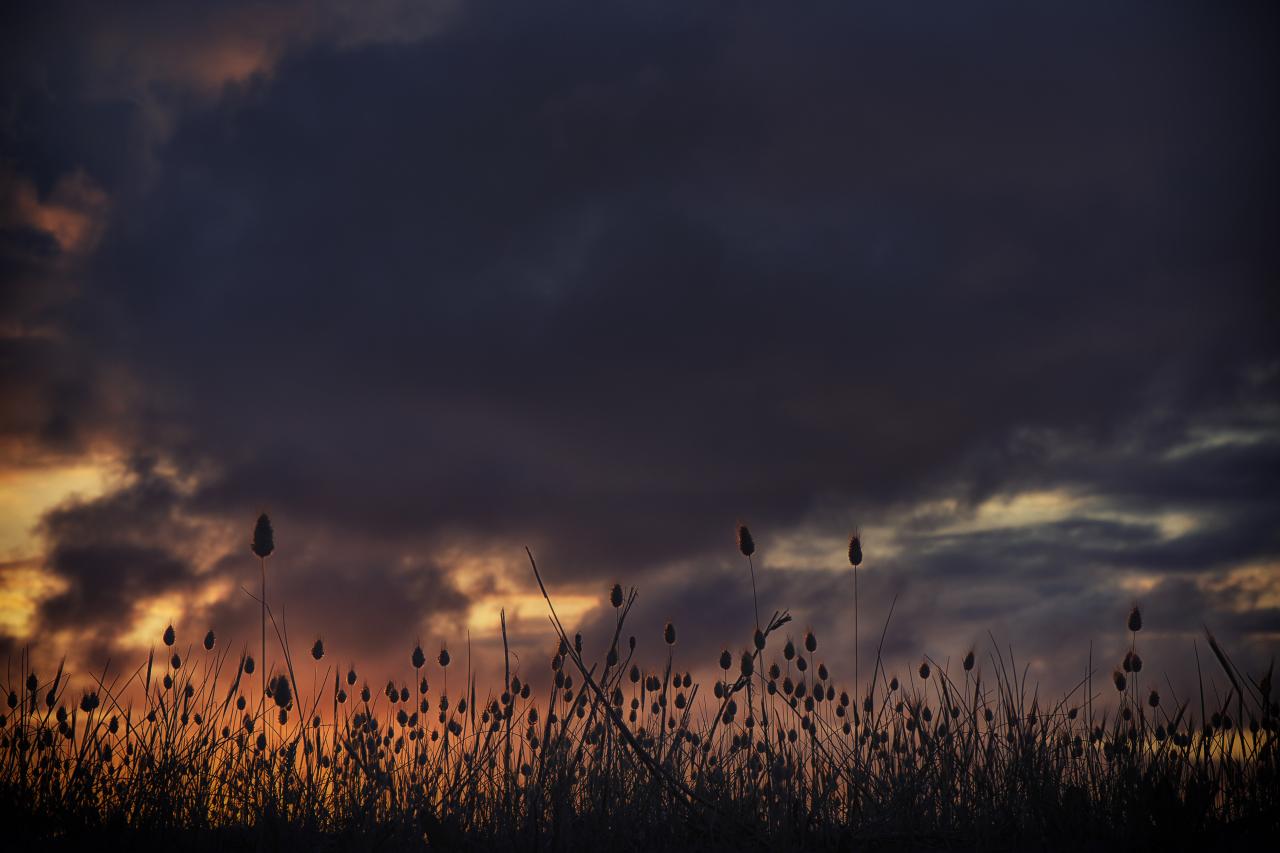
x=606 y=279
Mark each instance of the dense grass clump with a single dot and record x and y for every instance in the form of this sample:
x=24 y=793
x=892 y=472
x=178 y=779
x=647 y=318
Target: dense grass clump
x=773 y=754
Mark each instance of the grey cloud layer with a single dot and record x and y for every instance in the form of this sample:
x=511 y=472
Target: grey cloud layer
x=604 y=280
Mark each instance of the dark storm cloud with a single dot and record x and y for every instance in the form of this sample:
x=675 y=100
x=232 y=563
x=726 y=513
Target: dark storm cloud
x=605 y=279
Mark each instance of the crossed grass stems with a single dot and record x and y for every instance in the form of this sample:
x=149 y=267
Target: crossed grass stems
x=777 y=756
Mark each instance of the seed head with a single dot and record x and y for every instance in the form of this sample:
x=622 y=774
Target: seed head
x=169 y=636
x=669 y=634
x=758 y=640
x=248 y=664
x=1135 y=620
x=264 y=538
x=810 y=642
x=209 y=640
x=281 y=692
x=789 y=650
x=968 y=661
x=1120 y=680
x=418 y=658
x=317 y=649
x=924 y=669
x=444 y=657
x=746 y=665
x=615 y=595
x=351 y=676
x=746 y=544
x=1154 y=699
x=855 y=550
x=726 y=660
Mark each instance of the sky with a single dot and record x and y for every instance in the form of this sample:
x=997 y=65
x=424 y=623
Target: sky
x=992 y=284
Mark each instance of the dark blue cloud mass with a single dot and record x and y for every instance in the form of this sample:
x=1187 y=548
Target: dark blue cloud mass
x=607 y=277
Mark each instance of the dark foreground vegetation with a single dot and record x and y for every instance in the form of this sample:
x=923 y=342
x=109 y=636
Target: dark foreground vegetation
x=775 y=754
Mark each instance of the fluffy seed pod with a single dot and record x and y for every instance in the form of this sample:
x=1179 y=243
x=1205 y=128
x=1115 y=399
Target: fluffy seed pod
x=1120 y=680
x=810 y=642
x=444 y=657
x=1135 y=620
x=264 y=539
x=248 y=664
x=169 y=636
x=615 y=595
x=746 y=666
x=418 y=659
x=281 y=691
x=726 y=660
x=669 y=634
x=317 y=649
x=789 y=650
x=209 y=640
x=746 y=544
x=968 y=661
x=924 y=669
x=1154 y=699
x=758 y=640
x=855 y=550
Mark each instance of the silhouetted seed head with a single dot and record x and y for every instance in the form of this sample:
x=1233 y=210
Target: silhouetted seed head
x=789 y=650
x=209 y=640
x=746 y=544
x=418 y=658
x=264 y=538
x=726 y=660
x=351 y=677
x=88 y=702
x=775 y=671
x=281 y=692
x=444 y=657
x=615 y=595
x=1135 y=620
x=1154 y=699
x=855 y=550
x=365 y=693
x=810 y=642
x=577 y=643
x=1136 y=661
x=758 y=640
x=968 y=661
x=169 y=636
x=924 y=669
x=746 y=665
x=669 y=634
x=1120 y=680
x=248 y=664
x=893 y=684
x=175 y=661
x=822 y=672
x=317 y=649
x=32 y=683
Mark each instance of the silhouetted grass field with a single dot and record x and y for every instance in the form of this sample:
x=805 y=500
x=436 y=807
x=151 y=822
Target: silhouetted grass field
x=778 y=753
